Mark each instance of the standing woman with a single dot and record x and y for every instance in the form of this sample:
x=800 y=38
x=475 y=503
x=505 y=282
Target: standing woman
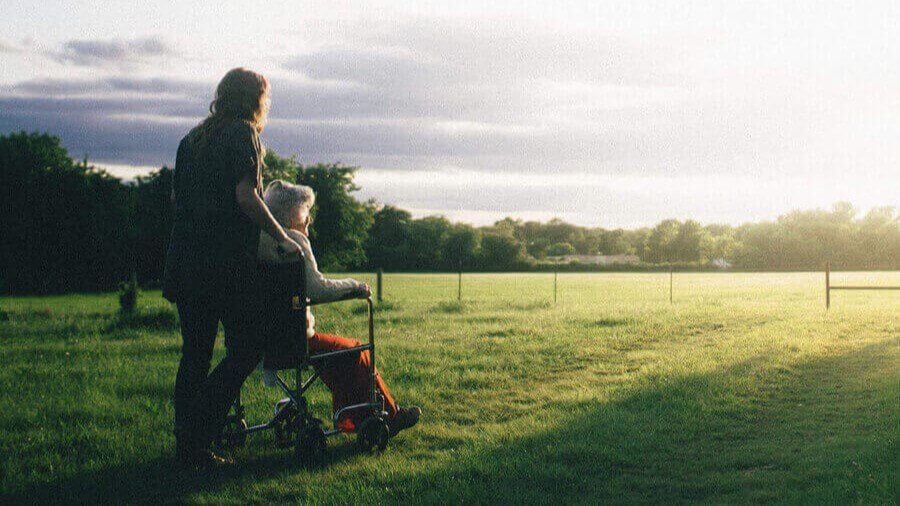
x=211 y=262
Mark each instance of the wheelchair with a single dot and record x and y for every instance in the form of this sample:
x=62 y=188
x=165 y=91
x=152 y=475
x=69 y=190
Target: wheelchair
x=283 y=320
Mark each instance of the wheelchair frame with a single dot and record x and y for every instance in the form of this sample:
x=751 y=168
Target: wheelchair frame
x=293 y=421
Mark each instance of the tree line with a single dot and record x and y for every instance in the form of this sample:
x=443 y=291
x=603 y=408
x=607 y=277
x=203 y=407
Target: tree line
x=68 y=226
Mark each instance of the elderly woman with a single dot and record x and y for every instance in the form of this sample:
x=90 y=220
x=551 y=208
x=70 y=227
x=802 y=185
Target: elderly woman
x=348 y=380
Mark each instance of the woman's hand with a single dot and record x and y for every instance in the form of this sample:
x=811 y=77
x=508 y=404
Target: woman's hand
x=287 y=247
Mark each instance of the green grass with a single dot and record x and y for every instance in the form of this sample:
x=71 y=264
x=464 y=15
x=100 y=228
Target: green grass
x=743 y=390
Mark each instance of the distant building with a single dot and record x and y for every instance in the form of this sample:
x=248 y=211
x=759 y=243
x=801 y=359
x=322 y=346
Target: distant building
x=598 y=259
x=720 y=263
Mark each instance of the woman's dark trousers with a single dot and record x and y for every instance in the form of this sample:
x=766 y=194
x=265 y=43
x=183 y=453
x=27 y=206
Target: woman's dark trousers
x=202 y=402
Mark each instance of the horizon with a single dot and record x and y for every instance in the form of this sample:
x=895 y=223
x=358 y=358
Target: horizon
x=613 y=116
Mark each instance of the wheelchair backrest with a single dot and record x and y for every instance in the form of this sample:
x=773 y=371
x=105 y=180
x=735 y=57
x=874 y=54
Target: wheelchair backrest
x=283 y=318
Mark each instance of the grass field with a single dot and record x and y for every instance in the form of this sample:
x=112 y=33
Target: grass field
x=743 y=390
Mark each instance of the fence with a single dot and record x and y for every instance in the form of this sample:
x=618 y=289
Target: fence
x=829 y=287
x=379 y=280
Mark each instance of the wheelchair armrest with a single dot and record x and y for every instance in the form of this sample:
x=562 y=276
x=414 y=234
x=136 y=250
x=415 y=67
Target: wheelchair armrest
x=342 y=299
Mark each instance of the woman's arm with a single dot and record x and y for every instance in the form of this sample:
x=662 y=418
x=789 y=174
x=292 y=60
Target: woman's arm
x=254 y=207
x=245 y=151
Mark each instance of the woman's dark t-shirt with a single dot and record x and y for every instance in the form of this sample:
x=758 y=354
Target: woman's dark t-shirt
x=213 y=244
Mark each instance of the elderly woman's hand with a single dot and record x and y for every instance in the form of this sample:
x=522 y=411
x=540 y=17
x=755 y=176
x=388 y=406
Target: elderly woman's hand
x=364 y=291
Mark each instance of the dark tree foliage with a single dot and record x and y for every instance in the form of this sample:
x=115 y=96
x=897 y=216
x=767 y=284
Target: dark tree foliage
x=152 y=224
x=462 y=248
x=64 y=225
x=501 y=251
x=387 y=244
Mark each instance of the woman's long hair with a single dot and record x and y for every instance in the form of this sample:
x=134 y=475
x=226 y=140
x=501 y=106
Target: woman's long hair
x=241 y=95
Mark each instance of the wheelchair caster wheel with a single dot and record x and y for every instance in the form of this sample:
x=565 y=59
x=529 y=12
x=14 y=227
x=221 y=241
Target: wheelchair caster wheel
x=310 y=447
x=286 y=426
x=372 y=434
x=233 y=433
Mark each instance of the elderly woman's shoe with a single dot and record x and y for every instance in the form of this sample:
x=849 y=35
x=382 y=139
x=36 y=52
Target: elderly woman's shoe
x=404 y=419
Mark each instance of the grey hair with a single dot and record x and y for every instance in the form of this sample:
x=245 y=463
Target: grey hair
x=282 y=198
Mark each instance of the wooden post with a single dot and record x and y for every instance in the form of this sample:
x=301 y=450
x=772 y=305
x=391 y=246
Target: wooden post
x=459 y=286
x=555 y=276
x=378 y=283
x=671 y=283
x=827 y=285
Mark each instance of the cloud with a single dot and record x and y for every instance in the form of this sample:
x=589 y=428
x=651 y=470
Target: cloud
x=111 y=53
x=7 y=47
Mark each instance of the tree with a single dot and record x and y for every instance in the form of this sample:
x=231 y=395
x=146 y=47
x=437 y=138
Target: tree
x=878 y=239
x=501 y=251
x=279 y=167
x=462 y=247
x=387 y=244
x=692 y=243
x=614 y=242
x=560 y=249
x=427 y=237
x=661 y=241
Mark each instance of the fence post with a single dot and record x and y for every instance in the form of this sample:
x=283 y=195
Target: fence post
x=555 y=276
x=671 y=283
x=827 y=285
x=459 y=285
x=378 y=277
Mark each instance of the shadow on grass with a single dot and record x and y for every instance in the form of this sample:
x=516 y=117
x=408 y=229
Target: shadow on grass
x=751 y=433
x=754 y=432
x=611 y=322
x=162 y=481
x=454 y=307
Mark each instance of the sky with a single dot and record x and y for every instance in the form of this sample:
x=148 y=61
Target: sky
x=612 y=114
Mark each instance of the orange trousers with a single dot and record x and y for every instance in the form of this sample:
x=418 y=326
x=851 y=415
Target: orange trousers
x=348 y=379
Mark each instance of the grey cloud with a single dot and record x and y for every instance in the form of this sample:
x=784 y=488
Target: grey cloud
x=85 y=132
x=111 y=53
x=142 y=128
x=59 y=88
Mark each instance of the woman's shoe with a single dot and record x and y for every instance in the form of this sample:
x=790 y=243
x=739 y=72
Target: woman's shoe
x=201 y=459
x=404 y=419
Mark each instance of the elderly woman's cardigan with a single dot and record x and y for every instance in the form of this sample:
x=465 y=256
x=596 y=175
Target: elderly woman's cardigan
x=319 y=289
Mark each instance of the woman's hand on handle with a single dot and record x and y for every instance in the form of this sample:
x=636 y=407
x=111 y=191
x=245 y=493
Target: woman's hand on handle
x=364 y=291
x=288 y=247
